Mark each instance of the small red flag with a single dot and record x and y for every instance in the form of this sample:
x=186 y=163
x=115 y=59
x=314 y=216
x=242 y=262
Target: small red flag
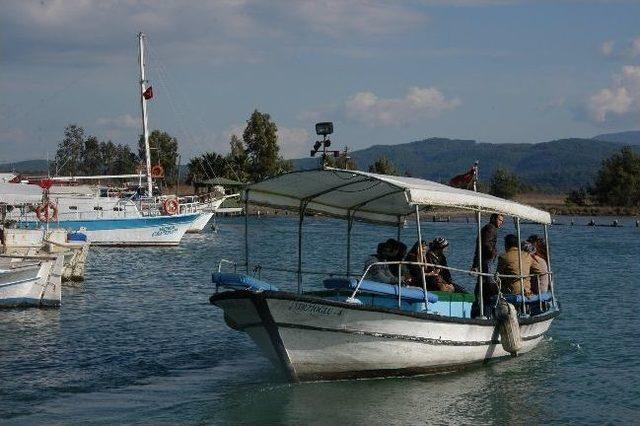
x=148 y=94
x=464 y=180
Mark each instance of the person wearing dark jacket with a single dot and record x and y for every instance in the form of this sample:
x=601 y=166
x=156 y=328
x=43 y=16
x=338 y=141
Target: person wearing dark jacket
x=489 y=238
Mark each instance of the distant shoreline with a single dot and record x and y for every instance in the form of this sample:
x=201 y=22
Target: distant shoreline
x=555 y=204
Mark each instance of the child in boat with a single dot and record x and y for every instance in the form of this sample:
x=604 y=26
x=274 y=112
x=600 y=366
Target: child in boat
x=539 y=265
x=509 y=264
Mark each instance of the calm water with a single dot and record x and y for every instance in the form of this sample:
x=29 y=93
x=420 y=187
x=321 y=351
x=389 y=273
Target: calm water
x=139 y=343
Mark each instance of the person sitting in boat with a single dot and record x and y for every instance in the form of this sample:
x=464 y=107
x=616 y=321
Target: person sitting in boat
x=381 y=273
x=440 y=280
x=509 y=264
x=414 y=272
x=397 y=253
x=539 y=265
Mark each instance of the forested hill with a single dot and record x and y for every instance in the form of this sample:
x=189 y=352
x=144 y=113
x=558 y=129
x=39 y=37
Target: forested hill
x=558 y=165
x=627 y=138
x=26 y=166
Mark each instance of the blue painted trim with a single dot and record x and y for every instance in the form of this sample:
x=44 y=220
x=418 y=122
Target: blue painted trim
x=119 y=223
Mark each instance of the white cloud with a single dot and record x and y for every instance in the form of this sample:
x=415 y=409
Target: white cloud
x=418 y=104
x=89 y=32
x=619 y=101
x=606 y=48
x=337 y=18
x=631 y=50
x=125 y=121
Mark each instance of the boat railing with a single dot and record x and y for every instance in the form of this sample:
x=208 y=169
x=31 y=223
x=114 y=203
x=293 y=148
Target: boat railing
x=227 y=262
x=495 y=276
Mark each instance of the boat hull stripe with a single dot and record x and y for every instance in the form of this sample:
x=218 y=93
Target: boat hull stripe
x=425 y=340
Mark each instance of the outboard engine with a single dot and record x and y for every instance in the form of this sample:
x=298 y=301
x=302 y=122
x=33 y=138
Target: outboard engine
x=506 y=318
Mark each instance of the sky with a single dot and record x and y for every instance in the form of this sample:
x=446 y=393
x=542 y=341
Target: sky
x=385 y=72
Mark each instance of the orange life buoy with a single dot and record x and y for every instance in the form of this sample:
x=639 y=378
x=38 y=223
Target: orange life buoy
x=171 y=206
x=157 y=171
x=47 y=212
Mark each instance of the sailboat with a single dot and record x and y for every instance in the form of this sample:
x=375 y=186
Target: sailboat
x=114 y=221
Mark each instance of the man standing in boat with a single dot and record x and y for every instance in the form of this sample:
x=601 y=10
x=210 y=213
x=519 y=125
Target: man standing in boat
x=489 y=238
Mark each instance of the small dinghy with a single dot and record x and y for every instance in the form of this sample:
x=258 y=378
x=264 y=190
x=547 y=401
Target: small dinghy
x=30 y=281
x=359 y=327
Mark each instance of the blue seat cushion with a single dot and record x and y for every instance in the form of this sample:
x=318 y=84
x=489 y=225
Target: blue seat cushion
x=410 y=294
x=240 y=281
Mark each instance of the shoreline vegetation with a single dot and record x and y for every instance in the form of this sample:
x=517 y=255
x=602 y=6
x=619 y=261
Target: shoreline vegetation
x=614 y=190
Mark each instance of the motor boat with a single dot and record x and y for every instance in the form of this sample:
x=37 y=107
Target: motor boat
x=357 y=327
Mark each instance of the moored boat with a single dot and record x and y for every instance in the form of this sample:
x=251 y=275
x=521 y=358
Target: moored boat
x=31 y=281
x=358 y=327
x=35 y=242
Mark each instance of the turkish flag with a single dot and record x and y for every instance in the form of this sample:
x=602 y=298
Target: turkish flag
x=464 y=180
x=148 y=94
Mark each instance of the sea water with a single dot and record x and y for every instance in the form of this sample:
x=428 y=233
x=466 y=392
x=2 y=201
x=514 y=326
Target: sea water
x=138 y=341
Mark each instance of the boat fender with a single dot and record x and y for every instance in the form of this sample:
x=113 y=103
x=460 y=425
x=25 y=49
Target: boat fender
x=506 y=318
x=47 y=212
x=171 y=206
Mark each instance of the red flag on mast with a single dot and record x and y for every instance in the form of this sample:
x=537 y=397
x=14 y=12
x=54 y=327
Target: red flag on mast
x=148 y=94
x=464 y=180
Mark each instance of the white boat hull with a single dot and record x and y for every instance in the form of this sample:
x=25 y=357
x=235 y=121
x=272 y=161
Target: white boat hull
x=311 y=338
x=37 y=242
x=37 y=285
x=200 y=222
x=136 y=231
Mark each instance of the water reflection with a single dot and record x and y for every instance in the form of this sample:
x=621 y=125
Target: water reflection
x=510 y=391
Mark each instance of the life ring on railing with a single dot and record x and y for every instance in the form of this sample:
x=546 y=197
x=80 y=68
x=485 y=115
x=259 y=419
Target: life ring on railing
x=157 y=171
x=171 y=206
x=47 y=212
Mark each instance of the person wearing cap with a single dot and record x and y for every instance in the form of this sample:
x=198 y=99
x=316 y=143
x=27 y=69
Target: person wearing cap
x=441 y=280
x=509 y=264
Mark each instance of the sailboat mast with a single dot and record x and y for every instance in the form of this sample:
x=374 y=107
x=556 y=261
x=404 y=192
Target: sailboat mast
x=143 y=104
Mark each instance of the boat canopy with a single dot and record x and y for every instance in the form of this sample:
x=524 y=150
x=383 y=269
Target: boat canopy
x=375 y=198
x=18 y=193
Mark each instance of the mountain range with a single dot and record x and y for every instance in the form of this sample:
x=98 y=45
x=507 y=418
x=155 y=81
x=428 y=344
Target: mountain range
x=555 y=166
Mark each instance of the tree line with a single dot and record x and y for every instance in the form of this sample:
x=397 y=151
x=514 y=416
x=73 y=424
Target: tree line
x=253 y=158
x=256 y=156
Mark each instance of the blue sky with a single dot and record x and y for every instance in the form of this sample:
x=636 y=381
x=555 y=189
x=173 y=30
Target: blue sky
x=385 y=72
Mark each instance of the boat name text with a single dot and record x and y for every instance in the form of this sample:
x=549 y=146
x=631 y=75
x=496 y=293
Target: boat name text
x=165 y=230
x=315 y=309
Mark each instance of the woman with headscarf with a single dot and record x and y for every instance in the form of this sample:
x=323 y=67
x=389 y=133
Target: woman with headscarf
x=539 y=265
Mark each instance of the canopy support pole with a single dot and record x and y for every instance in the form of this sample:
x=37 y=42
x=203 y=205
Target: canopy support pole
x=552 y=281
x=246 y=231
x=422 y=260
x=349 y=226
x=480 y=264
x=303 y=207
x=520 y=265
x=399 y=228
